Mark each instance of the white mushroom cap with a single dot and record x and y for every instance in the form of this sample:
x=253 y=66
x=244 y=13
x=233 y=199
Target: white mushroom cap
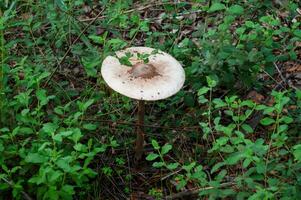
x=159 y=78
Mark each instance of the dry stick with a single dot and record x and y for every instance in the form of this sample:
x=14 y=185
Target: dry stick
x=282 y=77
x=69 y=49
x=195 y=191
x=140 y=131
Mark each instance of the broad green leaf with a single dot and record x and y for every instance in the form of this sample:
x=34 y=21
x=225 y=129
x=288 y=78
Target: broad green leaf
x=166 y=148
x=297 y=152
x=217 y=166
x=267 y=121
x=216 y=7
x=246 y=162
x=297 y=33
x=158 y=164
x=152 y=156
x=247 y=128
x=286 y=119
x=172 y=166
x=189 y=167
x=90 y=127
x=35 y=158
x=57 y=138
x=233 y=158
x=61 y=4
x=50 y=128
x=219 y=103
x=155 y=144
x=236 y=10
x=203 y=90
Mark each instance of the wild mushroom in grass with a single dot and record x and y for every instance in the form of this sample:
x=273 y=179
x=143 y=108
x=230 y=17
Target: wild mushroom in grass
x=152 y=75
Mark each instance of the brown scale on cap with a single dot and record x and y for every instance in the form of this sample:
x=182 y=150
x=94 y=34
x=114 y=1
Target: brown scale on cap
x=143 y=70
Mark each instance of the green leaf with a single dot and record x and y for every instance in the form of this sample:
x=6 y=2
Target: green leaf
x=67 y=191
x=297 y=152
x=57 y=138
x=246 y=162
x=152 y=156
x=35 y=158
x=267 y=121
x=158 y=164
x=286 y=119
x=166 y=148
x=63 y=163
x=236 y=10
x=203 y=90
x=297 y=33
x=61 y=4
x=233 y=158
x=202 y=99
x=50 y=128
x=1 y=146
x=247 y=128
x=189 y=167
x=172 y=166
x=90 y=127
x=155 y=144
x=216 y=7
x=219 y=103
x=217 y=166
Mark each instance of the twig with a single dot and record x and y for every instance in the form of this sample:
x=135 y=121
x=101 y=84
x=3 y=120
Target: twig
x=195 y=191
x=282 y=77
x=69 y=49
x=170 y=174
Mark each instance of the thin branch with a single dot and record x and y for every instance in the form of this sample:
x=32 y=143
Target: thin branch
x=282 y=77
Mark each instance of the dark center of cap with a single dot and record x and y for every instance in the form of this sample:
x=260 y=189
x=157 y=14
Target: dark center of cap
x=143 y=70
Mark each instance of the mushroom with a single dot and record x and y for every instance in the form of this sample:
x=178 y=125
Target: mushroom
x=159 y=78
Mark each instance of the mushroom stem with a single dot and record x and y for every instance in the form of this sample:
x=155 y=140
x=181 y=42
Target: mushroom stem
x=140 y=131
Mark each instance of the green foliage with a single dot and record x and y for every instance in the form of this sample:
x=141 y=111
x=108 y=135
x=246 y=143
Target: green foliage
x=233 y=144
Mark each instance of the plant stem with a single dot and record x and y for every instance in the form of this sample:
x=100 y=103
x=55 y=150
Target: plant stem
x=140 y=131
